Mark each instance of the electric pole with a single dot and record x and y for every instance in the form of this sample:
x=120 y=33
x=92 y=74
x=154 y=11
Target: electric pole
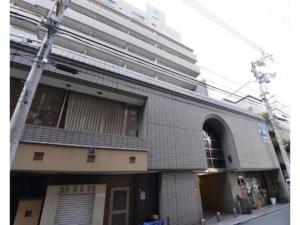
x=18 y=119
x=263 y=79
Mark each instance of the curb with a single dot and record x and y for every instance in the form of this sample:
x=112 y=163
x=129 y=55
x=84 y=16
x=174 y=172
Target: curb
x=267 y=213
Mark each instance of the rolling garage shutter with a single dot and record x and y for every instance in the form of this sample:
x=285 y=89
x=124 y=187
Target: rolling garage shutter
x=75 y=209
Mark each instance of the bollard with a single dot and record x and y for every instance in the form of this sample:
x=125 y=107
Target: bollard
x=168 y=220
x=234 y=212
x=218 y=217
x=203 y=222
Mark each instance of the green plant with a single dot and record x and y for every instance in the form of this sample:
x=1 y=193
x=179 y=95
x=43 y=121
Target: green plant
x=265 y=115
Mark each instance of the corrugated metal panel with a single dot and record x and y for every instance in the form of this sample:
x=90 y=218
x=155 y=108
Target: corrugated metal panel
x=75 y=209
x=92 y=114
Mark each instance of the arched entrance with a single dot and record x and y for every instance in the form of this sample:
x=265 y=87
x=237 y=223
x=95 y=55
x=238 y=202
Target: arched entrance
x=219 y=147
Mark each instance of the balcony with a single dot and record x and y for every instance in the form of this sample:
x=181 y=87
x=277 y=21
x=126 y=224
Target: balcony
x=58 y=136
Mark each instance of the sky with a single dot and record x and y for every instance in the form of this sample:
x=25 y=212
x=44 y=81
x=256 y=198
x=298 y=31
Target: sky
x=266 y=23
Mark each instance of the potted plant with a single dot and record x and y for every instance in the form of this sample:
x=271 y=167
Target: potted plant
x=258 y=202
x=273 y=196
x=273 y=200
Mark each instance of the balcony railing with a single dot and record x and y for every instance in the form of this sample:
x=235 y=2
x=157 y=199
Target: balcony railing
x=57 y=136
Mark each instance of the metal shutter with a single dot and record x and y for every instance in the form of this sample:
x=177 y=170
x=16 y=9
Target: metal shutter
x=74 y=209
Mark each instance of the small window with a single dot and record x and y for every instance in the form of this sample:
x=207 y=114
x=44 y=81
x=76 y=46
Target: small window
x=28 y=213
x=38 y=156
x=91 y=158
x=132 y=159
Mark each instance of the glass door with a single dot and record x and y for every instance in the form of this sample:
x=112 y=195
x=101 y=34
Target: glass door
x=119 y=206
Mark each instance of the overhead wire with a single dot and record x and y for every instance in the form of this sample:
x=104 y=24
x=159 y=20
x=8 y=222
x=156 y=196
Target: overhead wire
x=223 y=77
x=210 y=87
x=240 y=88
x=101 y=44
x=87 y=41
x=223 y=24
x=201 y=9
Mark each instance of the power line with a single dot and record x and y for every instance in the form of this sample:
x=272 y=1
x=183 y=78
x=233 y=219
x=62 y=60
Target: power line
x=101 y=45
x=136 y=59
x=211 y=87
x=220 y=22
x=240 y=88
x=224 y=77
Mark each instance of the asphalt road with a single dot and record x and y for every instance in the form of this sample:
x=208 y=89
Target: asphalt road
x=280 y=217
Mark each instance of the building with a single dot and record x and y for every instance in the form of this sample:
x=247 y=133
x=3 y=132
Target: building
x=257 y=106
x=120 y=129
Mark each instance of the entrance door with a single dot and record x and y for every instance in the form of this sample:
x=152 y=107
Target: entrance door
x=119 y=206
x=216 y=193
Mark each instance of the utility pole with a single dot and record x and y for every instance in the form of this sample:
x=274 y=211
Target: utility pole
x=18 y=119
x=263 y=79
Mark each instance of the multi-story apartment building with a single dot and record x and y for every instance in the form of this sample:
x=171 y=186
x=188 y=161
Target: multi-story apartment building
x=120 y=129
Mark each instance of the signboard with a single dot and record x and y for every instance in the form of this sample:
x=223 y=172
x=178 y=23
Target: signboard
x=263 y=132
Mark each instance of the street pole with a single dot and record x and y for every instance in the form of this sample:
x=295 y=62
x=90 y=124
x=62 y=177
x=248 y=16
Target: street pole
x=264 y=78
x=18 y=119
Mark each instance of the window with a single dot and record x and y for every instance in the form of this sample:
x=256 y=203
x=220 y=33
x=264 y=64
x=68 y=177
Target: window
x=93 y=114
x=138 y=16
x=212 y=146
x=46 y=105
x=132 y=121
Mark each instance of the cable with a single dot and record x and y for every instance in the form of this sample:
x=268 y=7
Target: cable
x=137 y=59
x=224 y=77
x=240 y=88
x=79 y=37
x=199 y=8
x=212 y=88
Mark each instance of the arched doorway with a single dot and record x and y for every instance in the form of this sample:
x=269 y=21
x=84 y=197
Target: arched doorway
x=219 y=147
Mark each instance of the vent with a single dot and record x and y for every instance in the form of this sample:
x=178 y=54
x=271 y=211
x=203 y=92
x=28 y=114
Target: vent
x=91 y=158
x=28 y=213
x=38 y=156
x=67 y=68
x=132 y=159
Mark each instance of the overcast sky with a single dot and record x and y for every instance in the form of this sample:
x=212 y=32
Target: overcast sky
x=266 y=22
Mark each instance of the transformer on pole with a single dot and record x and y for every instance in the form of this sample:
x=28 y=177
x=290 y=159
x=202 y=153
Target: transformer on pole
x=263 y=79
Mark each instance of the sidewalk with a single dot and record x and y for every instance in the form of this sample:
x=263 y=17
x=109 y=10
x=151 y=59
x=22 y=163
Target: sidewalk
x=228 y=219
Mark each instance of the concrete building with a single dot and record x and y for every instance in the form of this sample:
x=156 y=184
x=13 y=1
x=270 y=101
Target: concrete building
x=257 y=106
x=120 y=129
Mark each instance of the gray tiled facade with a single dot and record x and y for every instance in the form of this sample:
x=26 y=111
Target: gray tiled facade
x=178 y=204
x=175 y=106
x=172 y=124
x=171 y=130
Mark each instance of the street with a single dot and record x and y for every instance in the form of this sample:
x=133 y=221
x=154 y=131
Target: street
x=280 y=217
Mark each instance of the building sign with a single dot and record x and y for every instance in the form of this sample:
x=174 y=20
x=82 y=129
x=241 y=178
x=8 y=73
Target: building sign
x=263 y=132
x=143 y=195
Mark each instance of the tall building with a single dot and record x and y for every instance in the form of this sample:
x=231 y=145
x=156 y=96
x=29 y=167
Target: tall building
x=120 y=129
